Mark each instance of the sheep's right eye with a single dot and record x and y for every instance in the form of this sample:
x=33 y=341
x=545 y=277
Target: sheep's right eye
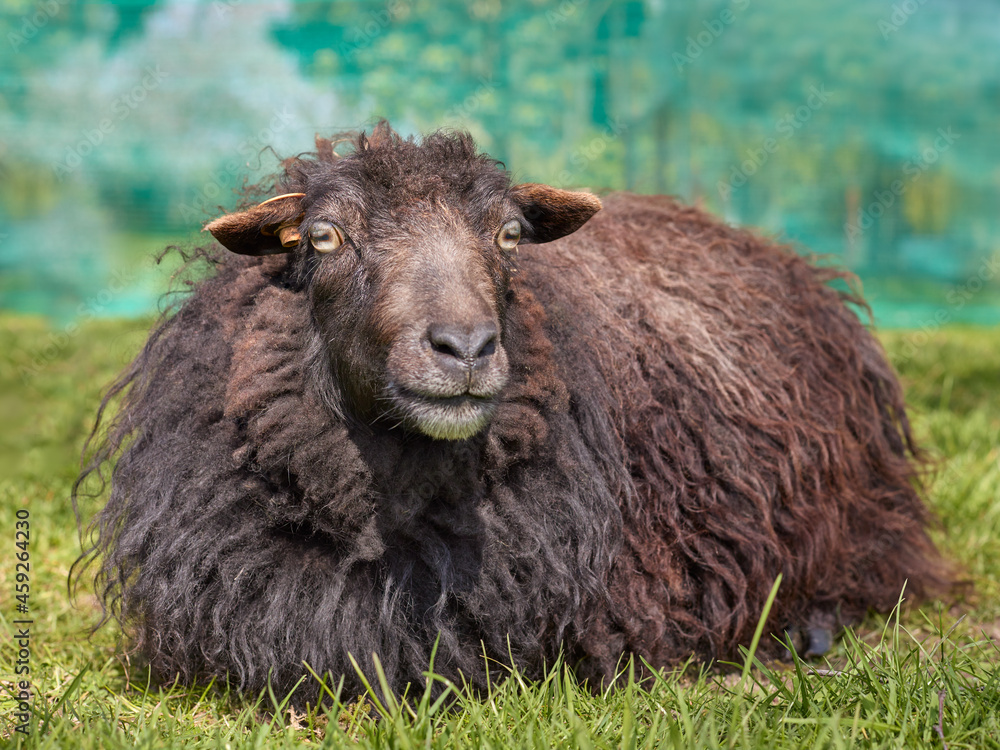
x=326 y=237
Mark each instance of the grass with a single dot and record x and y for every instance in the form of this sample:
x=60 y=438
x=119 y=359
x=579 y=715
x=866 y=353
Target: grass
x=920 y=678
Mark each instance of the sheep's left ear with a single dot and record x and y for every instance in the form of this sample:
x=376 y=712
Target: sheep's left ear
x=266 y=229
x=553 y=213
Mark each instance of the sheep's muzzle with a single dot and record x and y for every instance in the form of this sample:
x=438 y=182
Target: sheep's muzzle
x=445 y=380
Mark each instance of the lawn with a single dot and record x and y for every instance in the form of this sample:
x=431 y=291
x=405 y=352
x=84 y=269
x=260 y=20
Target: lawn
x=925 y=677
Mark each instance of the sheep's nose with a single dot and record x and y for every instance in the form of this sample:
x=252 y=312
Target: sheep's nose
x=464 y=347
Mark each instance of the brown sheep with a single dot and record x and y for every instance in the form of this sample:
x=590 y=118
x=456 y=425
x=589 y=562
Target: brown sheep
x=418 y=404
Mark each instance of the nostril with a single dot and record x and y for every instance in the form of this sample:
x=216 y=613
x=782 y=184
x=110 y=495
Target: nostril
x=489 y=348
x=446 y=341
x=463 y=344
x=445 y=347
x=483 y=341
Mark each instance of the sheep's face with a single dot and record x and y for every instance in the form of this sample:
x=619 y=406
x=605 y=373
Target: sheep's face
x=409 y=251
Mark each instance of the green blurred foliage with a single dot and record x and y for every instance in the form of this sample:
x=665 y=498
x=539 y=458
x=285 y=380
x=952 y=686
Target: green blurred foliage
x=866 y=130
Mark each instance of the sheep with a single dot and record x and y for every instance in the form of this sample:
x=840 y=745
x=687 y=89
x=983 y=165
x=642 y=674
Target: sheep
x=417 y=409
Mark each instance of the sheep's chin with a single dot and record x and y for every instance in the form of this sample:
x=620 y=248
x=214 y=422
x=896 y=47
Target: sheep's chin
x=448 y=418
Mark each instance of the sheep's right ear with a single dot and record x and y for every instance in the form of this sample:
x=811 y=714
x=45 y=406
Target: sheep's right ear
x=266 y=229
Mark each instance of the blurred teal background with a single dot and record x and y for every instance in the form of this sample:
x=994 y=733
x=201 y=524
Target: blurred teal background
x=866 y=130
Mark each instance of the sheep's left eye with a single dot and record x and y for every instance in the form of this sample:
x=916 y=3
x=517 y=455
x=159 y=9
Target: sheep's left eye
x=509 y=235
x=326 y=237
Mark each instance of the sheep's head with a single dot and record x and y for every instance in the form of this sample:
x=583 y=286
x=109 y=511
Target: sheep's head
x=408 y=250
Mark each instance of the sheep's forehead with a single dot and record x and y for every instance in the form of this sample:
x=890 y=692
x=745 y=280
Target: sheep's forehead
x=408 y=182
x=386 y=199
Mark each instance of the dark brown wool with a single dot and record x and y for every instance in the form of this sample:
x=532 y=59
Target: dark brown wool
x=672 y=412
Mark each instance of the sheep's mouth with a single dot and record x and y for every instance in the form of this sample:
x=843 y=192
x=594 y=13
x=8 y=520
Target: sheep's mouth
x=455 y=417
